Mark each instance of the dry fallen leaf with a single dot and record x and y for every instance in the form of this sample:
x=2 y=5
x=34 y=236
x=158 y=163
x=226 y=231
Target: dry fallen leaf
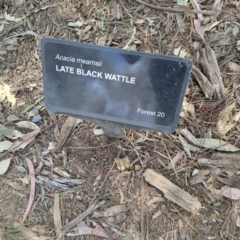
x=5 y=90
x=5 y=145
x=187 y=107
x=185 y=145
x=23 y=34
x=98 y=132
x=238 y=221
x=2 y=26
x=138 y=21
x=12 y=118
x=122 y=163
x=61 y=172
x=189 y=136
x=8 y=17
x=2 y=93
x=155 y=200
x=83 y=229
x=96 y=182
x=39 y=228
x=235 y=30
x=29 y=234
x=32 y=188
x=4 y=164
x=234 y=67
x=182 y=2
x=29 y=125
x=217 y=144
x=14 y=135
x=25 y=180
x=225 y=122
x=198 y=22
x=211 y=25
x=173 y=162
x=102 y=40
x=112 y=211
x=75 y=24
x=232 y=193
x=25 y=140
x=177 y=51
x=183 y=53
x=51 y=145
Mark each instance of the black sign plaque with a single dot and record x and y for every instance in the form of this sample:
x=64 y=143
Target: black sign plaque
x=133 y=89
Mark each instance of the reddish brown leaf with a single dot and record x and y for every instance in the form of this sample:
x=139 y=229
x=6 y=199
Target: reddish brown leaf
x=32 y=189
x=198 y=22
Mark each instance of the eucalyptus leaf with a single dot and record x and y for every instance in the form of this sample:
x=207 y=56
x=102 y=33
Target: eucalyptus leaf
x=217 y=144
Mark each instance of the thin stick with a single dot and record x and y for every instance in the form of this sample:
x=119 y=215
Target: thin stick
x=82 y=215
x=176 y=9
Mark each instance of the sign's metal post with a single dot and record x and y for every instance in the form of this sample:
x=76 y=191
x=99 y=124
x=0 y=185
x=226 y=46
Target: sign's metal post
x=112 y=130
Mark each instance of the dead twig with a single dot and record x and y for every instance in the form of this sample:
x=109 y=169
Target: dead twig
x=172 y=192
x=80 y=217
x=177 y=9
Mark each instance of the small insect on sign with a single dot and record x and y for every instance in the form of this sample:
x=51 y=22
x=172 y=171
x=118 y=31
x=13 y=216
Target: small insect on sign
x=102 y=84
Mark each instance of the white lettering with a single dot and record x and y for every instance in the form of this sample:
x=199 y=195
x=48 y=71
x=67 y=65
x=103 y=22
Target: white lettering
x=78 y=71
x=99 y=75
x=64 y=58
x=71 y=70
x=65 y=69
x=151 y=113
x=94 y=74
x=108 y=76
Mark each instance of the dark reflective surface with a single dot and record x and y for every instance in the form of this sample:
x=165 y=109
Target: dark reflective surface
x=148 y=90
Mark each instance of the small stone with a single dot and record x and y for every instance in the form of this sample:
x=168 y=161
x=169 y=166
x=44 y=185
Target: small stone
x=36 y=118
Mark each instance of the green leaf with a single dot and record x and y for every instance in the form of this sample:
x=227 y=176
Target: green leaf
x=127 y=200
x=182 y=2
x=1 y=69
x=111 y=192
x=100 y=11
x=25 y=22
x=4 y=131
x=39 y=100
x=28 y=108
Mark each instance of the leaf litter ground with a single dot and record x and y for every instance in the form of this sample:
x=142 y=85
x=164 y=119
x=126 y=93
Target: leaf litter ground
x=88 y=184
